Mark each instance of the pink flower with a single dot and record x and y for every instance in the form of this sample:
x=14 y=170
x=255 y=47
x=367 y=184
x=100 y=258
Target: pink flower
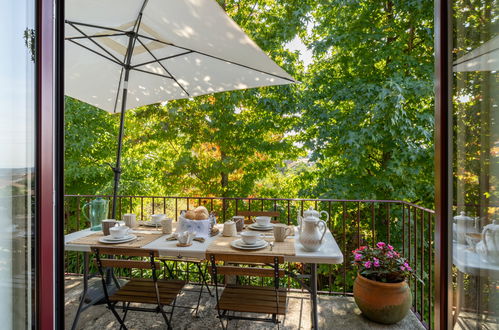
x=381 y=245
x=389 y=255
x=367 y=264
x=407 y=266
x=363 y=247
x=358 y=257
x=402 y=268
x=376 y=262
x=390 y=247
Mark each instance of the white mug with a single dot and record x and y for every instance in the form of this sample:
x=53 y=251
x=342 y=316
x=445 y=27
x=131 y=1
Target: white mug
x=167 y=225
x=130 y=220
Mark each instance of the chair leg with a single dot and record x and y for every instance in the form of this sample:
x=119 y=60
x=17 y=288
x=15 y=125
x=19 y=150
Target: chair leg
x=122 y=323
x=203 y=278
x=125 y=314
x=168 y=323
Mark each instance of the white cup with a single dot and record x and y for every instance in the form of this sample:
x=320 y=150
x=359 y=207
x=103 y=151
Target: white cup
x=156 y=218
x=167 y=225
x=263 y=221
x=250 y=237
x=130 y=220
x=118 y=231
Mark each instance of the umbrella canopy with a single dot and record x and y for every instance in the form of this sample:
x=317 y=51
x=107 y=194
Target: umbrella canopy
x=122 y=54
x=179 y=49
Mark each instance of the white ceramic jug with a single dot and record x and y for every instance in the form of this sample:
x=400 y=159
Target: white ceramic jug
x=464 y=225
x=488 y=248
x=311 y=213
x=312 y=233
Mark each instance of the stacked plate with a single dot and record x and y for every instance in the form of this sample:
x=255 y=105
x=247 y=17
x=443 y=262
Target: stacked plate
x=113 y=240
x=239 y=244
x=256 y=226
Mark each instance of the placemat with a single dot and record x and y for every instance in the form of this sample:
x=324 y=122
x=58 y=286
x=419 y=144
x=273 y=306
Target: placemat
x=143 y=239
x=222 y=245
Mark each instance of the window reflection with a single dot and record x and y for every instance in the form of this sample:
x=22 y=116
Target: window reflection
x=476 y=165
x=17 y=113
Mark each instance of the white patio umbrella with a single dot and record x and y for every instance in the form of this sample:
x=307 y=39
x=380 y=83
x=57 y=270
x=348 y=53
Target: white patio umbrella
x=122 y=54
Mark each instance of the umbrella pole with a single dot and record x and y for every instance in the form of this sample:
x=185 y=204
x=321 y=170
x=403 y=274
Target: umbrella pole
x=117 y=168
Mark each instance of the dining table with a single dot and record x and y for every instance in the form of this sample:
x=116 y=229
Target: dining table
x=152 y=238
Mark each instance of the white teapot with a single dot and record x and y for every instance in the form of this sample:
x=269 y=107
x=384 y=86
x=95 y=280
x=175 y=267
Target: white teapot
x=488 y=248
x=464 y=225
x=312 y=231
x=311 y=213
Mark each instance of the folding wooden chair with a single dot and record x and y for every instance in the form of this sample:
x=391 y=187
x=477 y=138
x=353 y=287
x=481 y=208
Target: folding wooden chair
x=203 y=276
x=143 y=291
x=246 y=298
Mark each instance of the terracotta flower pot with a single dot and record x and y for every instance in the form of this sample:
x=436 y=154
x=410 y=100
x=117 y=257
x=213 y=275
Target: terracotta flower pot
x=386 y=303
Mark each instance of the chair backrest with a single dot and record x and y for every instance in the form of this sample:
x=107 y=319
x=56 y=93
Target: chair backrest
x=123 y=263
x=259 y=266
x=249 y=214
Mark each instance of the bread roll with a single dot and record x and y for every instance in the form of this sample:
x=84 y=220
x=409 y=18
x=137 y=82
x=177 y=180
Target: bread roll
x=191 y=214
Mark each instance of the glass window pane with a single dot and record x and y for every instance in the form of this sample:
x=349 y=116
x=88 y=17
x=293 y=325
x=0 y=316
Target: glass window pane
x=17 y=156
x=476 y=165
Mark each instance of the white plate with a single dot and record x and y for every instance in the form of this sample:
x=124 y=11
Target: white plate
x=259 y=242
x=248 y=247
x=113 y=241
x=148 y=224
x=111 y=238
x=257 y=227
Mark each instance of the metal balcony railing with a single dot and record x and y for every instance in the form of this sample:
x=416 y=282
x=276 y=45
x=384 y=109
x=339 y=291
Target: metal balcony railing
x=353 y=223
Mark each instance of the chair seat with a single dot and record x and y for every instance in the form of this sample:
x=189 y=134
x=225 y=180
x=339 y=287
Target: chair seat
x=143 y=291
x=253 y=299
x=183 y=259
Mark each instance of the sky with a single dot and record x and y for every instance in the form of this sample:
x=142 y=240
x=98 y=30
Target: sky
x=16 y=87
x=297 y=45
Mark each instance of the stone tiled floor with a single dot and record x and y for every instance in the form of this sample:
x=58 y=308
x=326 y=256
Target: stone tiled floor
x=334 y=313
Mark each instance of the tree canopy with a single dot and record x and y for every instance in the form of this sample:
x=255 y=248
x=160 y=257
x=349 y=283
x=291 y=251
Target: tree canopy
x=358 y=125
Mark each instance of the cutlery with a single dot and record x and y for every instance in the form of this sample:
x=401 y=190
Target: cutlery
x=271 y=245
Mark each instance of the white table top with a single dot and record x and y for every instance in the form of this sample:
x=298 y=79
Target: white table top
x=469 y=262
x=329 y=252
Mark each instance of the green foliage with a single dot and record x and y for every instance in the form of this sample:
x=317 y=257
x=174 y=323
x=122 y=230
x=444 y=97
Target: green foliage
x=368 y=101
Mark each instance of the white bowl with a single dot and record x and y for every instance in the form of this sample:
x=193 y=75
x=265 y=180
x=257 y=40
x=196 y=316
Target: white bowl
x=263 y=221
x=250 y=237
x=156 y=218
x=118 y=231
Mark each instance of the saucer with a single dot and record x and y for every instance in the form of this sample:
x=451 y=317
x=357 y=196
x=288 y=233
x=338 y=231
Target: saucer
x=148 y=224
x=257 y=227
x=239 y=244
x=109 y=240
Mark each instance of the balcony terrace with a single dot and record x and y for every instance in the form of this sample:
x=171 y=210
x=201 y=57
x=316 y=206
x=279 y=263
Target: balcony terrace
x=353 y=223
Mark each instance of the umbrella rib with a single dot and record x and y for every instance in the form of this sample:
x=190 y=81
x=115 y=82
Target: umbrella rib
x=94 y=26
x=161 y=59
x=119 y=88
x=218 y=58
x=164 y=68
x=95 y=42
x=153 y=73
x=96 y=36
x=96 y=52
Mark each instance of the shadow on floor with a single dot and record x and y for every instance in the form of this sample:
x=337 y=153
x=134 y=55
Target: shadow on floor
x=335 y=312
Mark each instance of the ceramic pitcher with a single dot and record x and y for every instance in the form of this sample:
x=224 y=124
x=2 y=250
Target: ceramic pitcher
x=488 y=248
x=312 y=233
x=311 y=213
x=464 y=225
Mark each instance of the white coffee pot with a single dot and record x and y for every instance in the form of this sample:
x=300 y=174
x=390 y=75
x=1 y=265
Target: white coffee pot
x=311 y=213
x=464 y=225
x=312 y=231
x=488 y=248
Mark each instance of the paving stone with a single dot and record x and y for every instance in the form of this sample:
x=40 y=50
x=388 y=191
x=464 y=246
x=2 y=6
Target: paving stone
x=335 y=312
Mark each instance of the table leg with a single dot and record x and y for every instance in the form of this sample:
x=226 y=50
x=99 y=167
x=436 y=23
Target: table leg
x=313 y=295
x=459 y=298
x=84 y=293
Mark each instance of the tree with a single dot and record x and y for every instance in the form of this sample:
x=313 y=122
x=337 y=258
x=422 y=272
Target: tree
x=368 y=101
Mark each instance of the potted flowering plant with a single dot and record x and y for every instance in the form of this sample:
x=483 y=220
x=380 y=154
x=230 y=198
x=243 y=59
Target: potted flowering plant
x=380 y=289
